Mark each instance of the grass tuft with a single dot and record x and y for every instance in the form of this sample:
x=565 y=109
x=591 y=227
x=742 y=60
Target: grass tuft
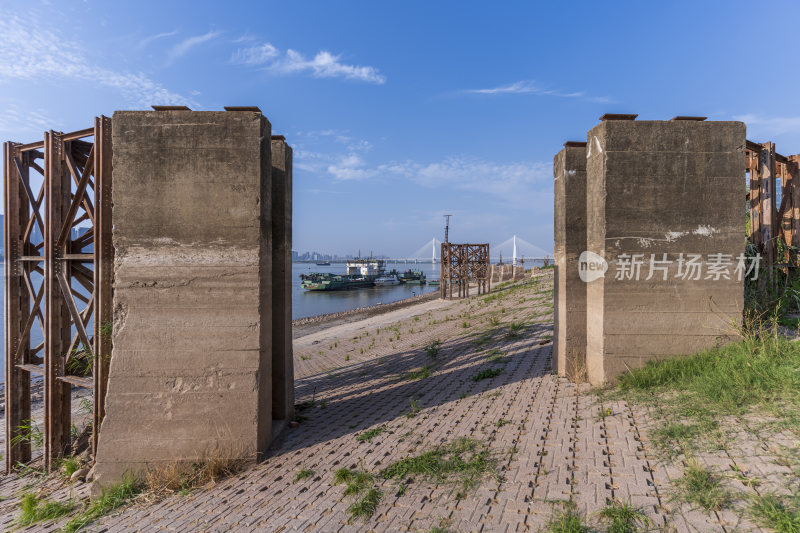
x=515 y=330
x=111 y=498
x=567 y=520
x=701 y=487
x=773 y=513
x=420 y=373
x=360 y=485
x=487 y=373
x=303 y=474
x=624 y=518
x=370 y=434
x=365 y=506
x=496 y=356
x=673 y=438
x=463 y=461
x=415 y=408
x=69 y=464
x=433 y=348
x=35 y=510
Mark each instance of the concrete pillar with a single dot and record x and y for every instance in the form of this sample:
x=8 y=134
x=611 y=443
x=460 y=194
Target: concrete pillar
x=190 y=371
x=282 y=362
x=569 y=173
x=663 y=198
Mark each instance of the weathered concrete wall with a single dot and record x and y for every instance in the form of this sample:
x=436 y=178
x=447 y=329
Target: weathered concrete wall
x=191 y=364
x=569 y=183
x=657 y=187
x=501 y=273
x=282 y=362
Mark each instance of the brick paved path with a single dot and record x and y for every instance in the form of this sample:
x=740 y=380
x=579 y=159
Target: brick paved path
x=548 y=434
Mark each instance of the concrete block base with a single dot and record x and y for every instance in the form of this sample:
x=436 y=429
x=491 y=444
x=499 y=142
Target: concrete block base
x=191 y=367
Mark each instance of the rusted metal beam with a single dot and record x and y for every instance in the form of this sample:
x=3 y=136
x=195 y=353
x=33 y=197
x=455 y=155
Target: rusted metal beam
x=57 y=396
x=17 y=310
x=103 y=270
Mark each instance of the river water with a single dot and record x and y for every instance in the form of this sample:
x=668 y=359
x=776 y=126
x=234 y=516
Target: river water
x=306 y=304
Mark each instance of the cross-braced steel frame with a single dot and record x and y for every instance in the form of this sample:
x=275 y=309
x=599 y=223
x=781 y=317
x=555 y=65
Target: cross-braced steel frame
x=58 y=282
x=462 y=264
x=775 y=230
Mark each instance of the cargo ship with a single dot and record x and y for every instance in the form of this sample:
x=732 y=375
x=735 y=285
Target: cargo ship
x=412 y=277
x=361 y=273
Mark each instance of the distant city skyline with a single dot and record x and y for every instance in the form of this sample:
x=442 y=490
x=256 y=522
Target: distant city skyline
x=397 y=118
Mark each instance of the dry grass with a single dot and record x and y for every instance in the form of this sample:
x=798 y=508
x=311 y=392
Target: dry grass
x=182 y=478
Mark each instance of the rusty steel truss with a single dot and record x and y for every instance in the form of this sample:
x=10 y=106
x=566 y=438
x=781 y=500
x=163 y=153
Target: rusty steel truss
x=774 y=230
x=462 y=264
x=58 y=283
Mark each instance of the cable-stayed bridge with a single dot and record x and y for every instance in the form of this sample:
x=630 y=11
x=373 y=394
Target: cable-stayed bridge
x=512 y=250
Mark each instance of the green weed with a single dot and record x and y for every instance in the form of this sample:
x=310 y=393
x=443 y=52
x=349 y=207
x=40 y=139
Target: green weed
x=515 y=330
x=495 y=355
x=770 y=511
x=110 y=499
x=567 y=520
x=433 y=348
x=303 y=474
x=415 y=408
x=463 y=461
x=370 y=434
x=624 y=518
x=29 y=432
x=35 y=510
x=360 y=485
x=673 y=438
x=487 y=373
x=700 y=487
x=421 y=373
x=70 y=465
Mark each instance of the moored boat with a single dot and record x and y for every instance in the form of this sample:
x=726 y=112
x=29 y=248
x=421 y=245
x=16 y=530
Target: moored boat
x=387 y=280
x=361 y=273
x=333 y=282
x=412 y=277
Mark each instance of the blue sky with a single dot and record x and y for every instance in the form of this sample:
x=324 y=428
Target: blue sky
x=400 y=112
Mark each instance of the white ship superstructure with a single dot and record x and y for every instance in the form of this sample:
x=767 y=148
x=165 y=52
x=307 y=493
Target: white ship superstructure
x=368 y=268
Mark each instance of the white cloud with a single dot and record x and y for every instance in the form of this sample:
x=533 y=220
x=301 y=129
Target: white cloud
x=183 y=47
x=31 y=52
x=17 y=122
x=323 y=65
x=352 y=167
x=342 y=137
x=147 y=40
x=532 y=87
x=518 y=185
x=480 y=175
x=762 y=125
x=255 y=55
